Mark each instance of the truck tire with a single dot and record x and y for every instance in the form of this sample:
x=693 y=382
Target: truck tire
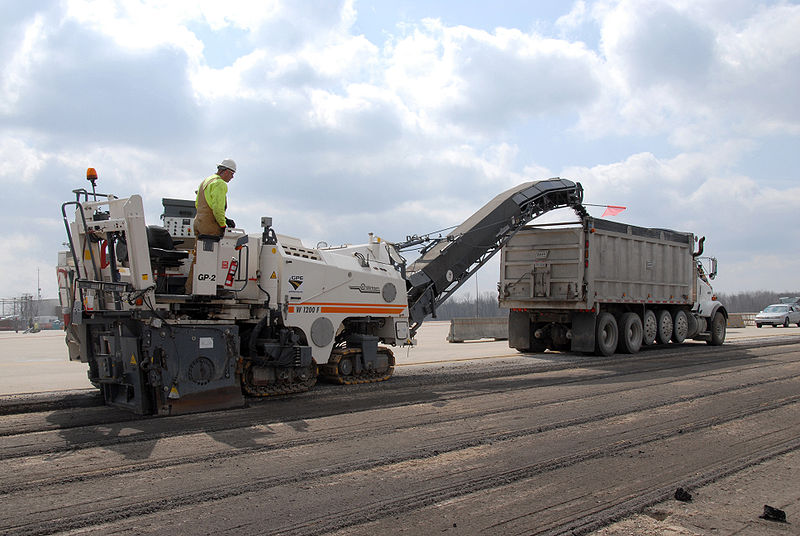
x=649 y=328
x=680 y=326
x=607 y=334
x=718 y=329
x=664 y=322
x=630 y=333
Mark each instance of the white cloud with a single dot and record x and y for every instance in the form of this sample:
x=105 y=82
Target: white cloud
x=778 y=272
x=336 y=135
x=684 y=69
x=20 y=269
x=697 y=192
x=488 y=80
x=17 y=69
x=27 y=160
x=574 y=19
x=656 y=44
x=139 y=25
x=148 y=24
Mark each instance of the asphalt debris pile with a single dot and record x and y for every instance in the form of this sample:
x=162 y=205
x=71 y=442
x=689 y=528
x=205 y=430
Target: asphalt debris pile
x=683 y=495
x=773 y=514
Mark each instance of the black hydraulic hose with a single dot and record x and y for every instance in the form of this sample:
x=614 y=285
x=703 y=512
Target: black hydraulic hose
x=111 y=240
x=257 y=330
x=246 y=268
x=112 y=260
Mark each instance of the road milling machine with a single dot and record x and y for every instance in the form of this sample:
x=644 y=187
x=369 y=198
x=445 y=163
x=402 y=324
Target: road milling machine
x=266 y=315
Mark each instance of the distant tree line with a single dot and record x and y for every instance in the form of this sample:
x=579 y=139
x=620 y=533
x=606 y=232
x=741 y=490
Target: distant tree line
x=467 y=308
x=752 y=301
x=740 y=302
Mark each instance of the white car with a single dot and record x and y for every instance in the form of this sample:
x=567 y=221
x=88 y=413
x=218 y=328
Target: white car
x=779 y=314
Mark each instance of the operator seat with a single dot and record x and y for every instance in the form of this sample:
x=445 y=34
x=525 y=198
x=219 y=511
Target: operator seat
x=163 y=255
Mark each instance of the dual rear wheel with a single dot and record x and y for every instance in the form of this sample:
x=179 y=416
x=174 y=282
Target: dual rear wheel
x=631 y=332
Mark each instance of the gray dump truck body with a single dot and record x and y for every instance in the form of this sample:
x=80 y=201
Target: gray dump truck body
x=558 y=281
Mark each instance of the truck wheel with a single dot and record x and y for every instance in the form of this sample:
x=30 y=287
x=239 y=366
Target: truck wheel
x=650 y=328
x=680 y=326
x=606 y=335
x=718 y=327
x=630 y=333
x=664 y=322
x=758 y=325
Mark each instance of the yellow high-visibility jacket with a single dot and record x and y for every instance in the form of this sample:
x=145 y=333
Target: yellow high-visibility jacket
x=211 y=206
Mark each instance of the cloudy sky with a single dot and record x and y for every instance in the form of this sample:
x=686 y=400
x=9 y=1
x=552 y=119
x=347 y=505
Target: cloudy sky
x=402 y=117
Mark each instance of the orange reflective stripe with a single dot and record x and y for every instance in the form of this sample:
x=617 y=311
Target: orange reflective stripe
x=340 y=304
x=349 y=308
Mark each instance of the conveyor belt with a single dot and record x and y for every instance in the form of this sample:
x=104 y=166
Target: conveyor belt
x=447 y=263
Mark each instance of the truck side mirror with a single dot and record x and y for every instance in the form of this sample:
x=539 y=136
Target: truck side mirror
x=713 y=273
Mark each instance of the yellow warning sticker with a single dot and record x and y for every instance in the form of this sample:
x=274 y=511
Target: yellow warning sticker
x=173 y=393
x=144 y=277
x=133 y=359
x=87 y=255
x=273 y=276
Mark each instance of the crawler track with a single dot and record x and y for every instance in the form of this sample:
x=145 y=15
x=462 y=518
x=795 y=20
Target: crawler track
x=334 y=372
x=486 y=447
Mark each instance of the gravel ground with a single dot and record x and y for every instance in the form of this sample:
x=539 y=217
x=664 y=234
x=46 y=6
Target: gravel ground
x=465 y=439
x=729 y=506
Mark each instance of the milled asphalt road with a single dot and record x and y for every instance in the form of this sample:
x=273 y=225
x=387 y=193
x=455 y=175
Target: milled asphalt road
x=467 y=438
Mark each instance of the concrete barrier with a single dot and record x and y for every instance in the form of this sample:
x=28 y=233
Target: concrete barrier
x=735 y=320
x=740 y=320
x=468 y=329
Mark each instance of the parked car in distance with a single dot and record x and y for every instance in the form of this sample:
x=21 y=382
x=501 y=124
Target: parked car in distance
x=779 y=314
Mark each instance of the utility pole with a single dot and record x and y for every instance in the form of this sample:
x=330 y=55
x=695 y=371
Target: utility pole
x=38 y=308
x=477 y=295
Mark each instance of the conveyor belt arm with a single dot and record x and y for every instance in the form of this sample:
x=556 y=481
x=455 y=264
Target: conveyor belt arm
x=447 y=263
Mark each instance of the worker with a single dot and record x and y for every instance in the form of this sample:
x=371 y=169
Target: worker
x=211 y=201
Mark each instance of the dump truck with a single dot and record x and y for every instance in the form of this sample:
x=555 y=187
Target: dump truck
x=600 y=286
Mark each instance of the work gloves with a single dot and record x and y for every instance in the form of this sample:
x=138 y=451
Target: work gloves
x=230 y=223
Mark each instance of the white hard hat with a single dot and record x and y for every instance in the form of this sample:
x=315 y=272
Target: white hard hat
x=228 y=163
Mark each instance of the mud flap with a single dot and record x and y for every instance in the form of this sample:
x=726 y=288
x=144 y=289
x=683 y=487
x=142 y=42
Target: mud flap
x=519 y=330
x=583 y=332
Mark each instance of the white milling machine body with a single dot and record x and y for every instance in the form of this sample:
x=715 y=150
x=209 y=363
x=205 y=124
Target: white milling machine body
x=266 y=315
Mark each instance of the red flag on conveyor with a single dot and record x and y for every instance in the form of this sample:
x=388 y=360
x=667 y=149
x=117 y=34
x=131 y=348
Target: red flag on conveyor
x=612 y=210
